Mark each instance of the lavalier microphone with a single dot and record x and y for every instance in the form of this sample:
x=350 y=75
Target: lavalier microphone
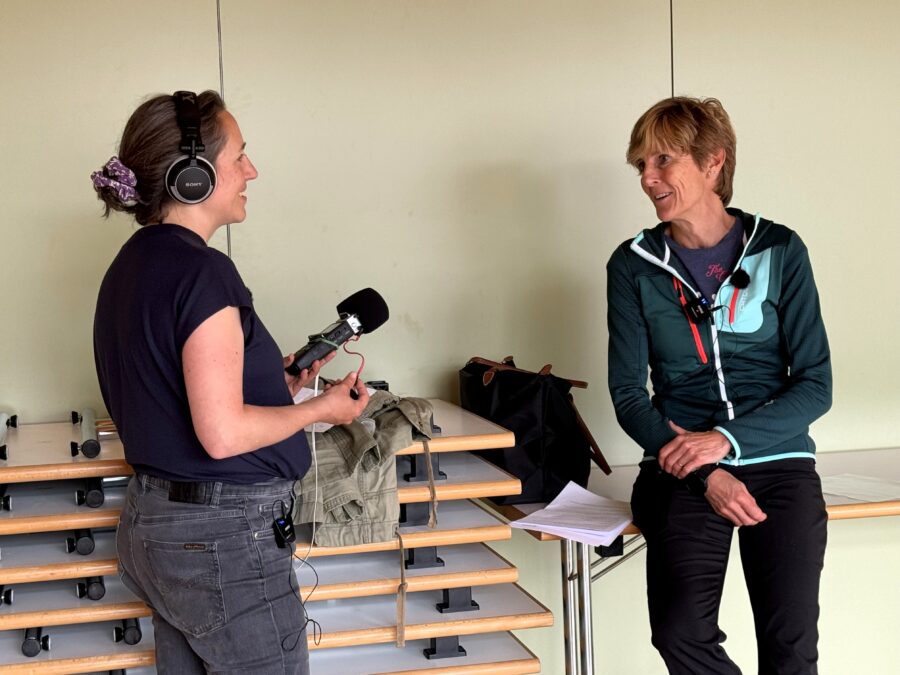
x=740 y=279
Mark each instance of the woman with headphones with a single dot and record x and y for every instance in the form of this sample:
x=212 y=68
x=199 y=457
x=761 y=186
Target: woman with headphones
x=197 y=389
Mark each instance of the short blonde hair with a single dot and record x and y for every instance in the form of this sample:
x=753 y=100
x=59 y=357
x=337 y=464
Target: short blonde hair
x=699 y=127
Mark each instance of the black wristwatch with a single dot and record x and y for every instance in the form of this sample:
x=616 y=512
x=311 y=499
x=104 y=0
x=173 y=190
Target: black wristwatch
x=696 y=479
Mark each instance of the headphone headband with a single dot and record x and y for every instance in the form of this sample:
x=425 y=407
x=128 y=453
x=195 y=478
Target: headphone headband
x=187 y=113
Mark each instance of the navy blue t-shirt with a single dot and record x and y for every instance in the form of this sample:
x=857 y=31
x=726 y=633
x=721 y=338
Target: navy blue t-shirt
x=709 y=267
x=161 y=286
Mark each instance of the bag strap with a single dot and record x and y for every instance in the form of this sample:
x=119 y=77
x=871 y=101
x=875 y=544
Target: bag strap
x=496 y=366
x=402 y=589
x=596 y=452
x=432 y=489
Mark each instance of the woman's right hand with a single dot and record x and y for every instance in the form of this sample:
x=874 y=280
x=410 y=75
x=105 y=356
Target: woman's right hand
x=731 y=499
x=337 y=405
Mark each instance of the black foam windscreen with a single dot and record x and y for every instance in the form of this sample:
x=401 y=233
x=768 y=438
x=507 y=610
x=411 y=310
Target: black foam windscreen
x=740 y=279
x=368 y=306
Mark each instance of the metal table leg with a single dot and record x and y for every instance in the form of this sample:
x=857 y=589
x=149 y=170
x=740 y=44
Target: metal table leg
x=586 y=637
x=570 y=605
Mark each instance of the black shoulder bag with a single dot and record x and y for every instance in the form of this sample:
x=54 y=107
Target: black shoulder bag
x=553 y=444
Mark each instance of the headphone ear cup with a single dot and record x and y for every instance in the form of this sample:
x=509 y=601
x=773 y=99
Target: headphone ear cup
x=190 y=181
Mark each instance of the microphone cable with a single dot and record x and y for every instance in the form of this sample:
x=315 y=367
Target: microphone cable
x=362 y=365
x=292 y=578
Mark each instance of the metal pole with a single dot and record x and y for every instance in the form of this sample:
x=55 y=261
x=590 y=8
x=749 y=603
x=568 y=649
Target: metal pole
x=586 y=634
x=570 y=605
x=222 y=94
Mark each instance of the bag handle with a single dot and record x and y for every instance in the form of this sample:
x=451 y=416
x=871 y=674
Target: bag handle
x=596 y=452
x=496 y=366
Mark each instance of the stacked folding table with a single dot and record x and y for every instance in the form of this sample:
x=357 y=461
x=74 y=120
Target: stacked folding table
x=63 y=609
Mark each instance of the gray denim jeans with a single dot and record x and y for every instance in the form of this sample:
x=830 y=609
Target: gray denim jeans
x=223 y=594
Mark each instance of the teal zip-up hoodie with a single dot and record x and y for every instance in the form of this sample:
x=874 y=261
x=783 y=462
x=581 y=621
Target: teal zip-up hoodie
x=759 y=371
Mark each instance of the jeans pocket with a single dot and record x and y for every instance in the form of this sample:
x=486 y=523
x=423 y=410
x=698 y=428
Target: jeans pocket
x=189 y=579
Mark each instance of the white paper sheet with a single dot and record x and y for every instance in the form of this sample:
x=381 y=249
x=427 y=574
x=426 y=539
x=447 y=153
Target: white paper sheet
x=580 y=515
x=862 y=488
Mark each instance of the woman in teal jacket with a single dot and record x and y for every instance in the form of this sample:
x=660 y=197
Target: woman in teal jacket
x=723 y=309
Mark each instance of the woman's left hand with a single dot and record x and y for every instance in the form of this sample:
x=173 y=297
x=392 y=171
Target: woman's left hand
x=692 y=449
x=296 y=382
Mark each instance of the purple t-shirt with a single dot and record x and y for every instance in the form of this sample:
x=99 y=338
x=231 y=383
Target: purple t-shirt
x=709 y=267
x=162 y=285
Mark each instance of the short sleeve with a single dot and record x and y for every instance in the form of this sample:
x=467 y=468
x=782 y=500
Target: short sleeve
x=213 y=284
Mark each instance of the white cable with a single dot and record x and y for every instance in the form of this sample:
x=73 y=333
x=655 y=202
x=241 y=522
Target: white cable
x=315 y=468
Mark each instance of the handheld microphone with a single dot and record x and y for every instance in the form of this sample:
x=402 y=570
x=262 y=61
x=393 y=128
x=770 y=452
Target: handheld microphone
x=362 y=312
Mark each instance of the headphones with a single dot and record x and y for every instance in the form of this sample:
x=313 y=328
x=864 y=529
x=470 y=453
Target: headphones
x=189 y=179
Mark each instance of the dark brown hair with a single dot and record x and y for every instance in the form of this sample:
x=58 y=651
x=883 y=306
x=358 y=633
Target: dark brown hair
x=699 y=127
x=149 y=145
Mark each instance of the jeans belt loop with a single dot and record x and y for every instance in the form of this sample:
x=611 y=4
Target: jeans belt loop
x=215 y=494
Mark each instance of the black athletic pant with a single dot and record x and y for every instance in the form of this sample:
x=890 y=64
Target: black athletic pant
x=687 y=553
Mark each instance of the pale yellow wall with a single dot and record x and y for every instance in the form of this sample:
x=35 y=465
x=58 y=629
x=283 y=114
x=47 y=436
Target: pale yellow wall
x=465 y=158
x=814 y=90
x=70 y=75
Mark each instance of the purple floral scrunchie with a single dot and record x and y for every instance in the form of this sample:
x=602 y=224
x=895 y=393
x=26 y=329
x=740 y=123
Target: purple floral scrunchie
x=119 y=177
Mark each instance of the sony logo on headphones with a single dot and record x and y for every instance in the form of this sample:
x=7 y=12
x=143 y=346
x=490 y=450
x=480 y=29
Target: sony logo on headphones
x=193 y=184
